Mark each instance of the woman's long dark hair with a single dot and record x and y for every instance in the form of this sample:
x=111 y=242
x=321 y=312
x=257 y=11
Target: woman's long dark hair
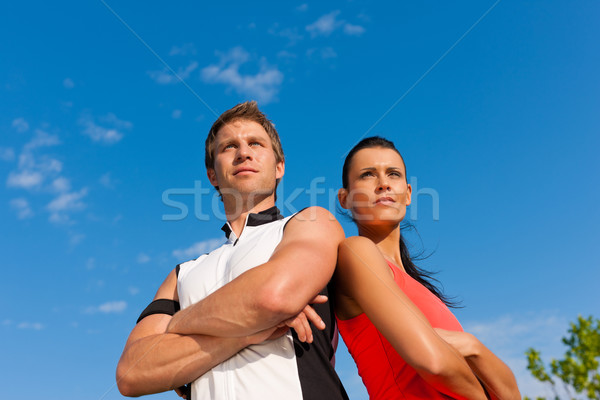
x=425 y=278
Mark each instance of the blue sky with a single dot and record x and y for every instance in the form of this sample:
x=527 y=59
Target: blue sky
x=497 y=119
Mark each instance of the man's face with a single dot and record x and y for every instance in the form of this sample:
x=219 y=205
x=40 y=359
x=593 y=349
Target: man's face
x=245 y=162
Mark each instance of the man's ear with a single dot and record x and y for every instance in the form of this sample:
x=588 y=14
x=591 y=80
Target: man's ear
x=342 y=197
x=212 y=176
x=279 y=170
x=408 y=194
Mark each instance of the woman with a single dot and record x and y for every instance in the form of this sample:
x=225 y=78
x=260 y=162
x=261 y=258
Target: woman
x=396 y=324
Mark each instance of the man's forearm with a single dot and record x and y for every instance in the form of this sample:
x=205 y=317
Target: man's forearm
x=249 y=304
x=162 y=362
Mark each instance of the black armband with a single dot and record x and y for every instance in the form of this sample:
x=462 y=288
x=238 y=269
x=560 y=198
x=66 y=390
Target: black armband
x=160 y=306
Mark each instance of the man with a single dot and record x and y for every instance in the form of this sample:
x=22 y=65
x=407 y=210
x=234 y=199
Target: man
x=231 y=337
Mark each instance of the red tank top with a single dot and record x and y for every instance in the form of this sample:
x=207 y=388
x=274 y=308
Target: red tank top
x=385 y=374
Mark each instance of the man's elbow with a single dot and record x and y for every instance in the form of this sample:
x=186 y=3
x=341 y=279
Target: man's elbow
x=126 y=382
x=280 y=301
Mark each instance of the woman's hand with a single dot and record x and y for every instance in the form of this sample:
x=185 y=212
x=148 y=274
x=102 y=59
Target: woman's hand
x=496 y=377
x=301 y=322
x=465 y=343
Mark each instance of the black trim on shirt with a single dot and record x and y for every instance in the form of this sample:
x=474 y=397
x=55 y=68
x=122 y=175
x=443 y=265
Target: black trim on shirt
x=257 y=219
x=160 y=306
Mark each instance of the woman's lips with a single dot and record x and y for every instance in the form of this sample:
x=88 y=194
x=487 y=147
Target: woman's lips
x=385 y=201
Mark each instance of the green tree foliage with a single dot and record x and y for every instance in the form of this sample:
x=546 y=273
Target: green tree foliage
x=578 y=370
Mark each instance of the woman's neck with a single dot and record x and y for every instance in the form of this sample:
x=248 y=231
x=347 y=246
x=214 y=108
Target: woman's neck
x=387 y=240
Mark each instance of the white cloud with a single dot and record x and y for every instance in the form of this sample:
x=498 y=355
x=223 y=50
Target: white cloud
x=291 y=34
x=183 y=50
x=133 y=290
x=76 y=238
x=61 y=184
x=353 y=30
x=113 y=307
x=328 y=52
x=165 y=77
x=110 y=133
x=143 y=258
x=21 y=205
x=197 y=249
x=7 y=154
x=31 y=325
x=68 y=83
x=90 y=263
x=302 y=7
x=64 y=204
x=41 y=139
x=109 y=307
x=24 y=179
x=32 y=171
x=264 y=85
x=106 y=181
x=325 y=25
x=176 y=114
x=20 y=125
x=286 y=55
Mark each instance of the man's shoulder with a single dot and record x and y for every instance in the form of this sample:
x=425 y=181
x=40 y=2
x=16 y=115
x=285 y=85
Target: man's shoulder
x=315 y=221
x=314 y=215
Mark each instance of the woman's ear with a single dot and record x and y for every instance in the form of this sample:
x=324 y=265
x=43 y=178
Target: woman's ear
x=342 y=197
x=408 y=194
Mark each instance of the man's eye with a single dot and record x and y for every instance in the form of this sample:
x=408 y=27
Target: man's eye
x=229 y=146
x=255 y=144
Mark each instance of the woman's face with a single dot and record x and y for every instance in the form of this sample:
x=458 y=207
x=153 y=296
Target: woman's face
x=377 y=190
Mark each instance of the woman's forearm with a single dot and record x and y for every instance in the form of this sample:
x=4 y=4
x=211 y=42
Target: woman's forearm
x=497 y=378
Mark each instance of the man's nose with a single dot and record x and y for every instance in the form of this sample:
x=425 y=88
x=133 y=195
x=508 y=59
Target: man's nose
x=244 y=152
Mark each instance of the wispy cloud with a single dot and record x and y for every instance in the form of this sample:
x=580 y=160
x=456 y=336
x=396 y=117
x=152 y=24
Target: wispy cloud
x=176 y=114
x=64 y=204
x=143 y=258
x=197 y=249
x=302 y=7
x=328 y=23
x=291 y=34
x=68 y=83
x=183 y=50
x=353 y=30
x=7 y=154
x=36 y=326
x=33 y=170
x=61 y=184
x=110 y=132
x=164 y=77
x=24 y=179
x=110 y=307
x=20 y=125
x=107 y=181
x=21 y=206
x=263 y=86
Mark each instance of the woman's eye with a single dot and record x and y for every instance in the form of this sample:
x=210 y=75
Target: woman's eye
x=366 y=174
x=396 y=174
